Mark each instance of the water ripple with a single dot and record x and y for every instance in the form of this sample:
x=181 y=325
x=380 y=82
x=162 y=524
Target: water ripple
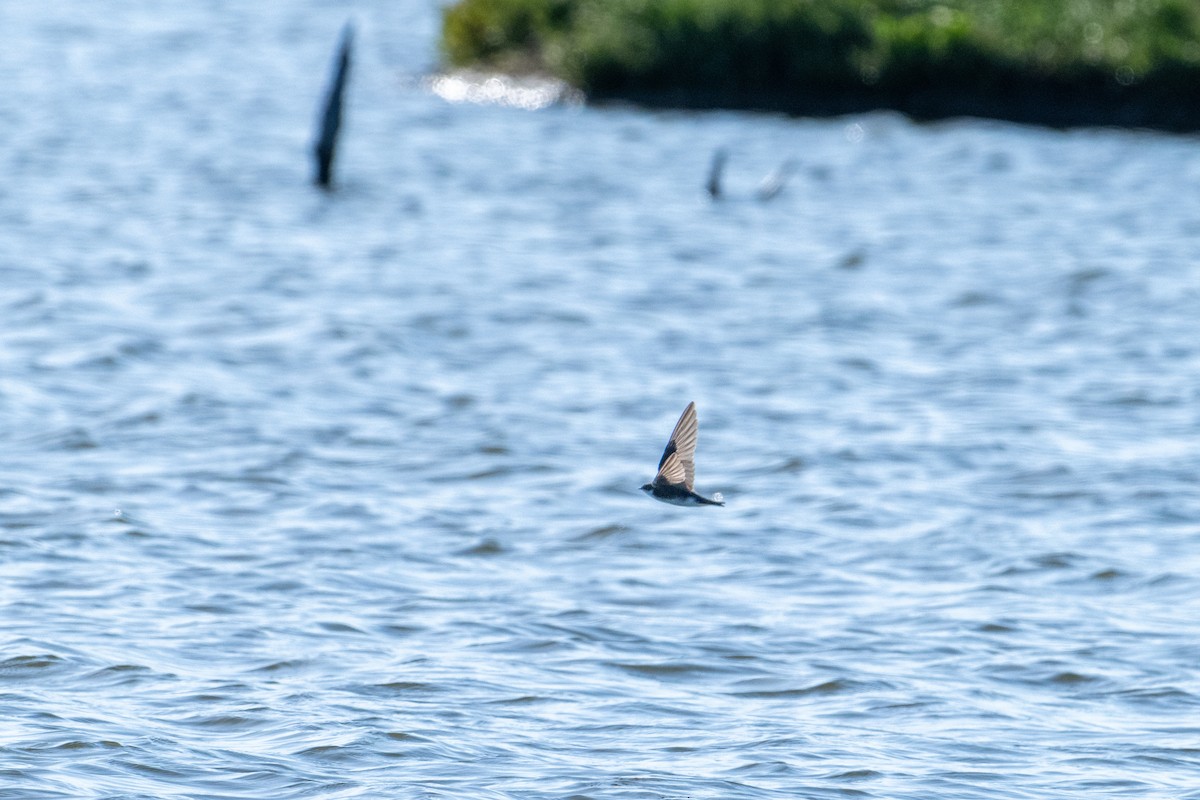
x=313 y=495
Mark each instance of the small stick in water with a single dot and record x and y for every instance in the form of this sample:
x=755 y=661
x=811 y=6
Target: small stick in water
x=714 y=173
x=331 y=119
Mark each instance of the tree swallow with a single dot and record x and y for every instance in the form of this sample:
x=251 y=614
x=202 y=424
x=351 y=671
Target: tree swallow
x=676 y=470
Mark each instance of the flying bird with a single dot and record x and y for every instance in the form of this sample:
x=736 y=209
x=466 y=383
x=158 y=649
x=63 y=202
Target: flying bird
x=676 y=470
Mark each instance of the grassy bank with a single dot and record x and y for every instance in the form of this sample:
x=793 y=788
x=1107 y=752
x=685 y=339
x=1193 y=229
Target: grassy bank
x=1134 y=62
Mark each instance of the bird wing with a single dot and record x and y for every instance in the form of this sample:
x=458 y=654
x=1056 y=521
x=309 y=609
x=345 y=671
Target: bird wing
x=673 y=473
x=678 y=460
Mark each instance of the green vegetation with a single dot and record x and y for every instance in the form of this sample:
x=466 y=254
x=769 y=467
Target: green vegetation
x=1142 y=56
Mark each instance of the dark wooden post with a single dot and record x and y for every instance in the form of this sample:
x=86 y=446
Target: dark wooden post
x=331 y=119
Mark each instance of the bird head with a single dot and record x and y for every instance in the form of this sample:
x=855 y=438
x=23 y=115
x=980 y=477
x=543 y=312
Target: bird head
x=648 y=488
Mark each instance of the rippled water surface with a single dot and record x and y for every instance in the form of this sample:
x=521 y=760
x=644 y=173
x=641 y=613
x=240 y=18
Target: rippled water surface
x=308 y=495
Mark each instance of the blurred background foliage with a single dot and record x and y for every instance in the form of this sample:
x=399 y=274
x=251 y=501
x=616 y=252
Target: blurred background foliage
x=781 y=45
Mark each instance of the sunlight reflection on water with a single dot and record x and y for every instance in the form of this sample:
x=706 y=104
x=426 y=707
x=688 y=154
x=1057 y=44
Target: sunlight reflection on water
x=528 y=93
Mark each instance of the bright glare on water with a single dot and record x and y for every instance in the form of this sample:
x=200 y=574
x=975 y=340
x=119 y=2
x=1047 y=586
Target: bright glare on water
x=309 y=495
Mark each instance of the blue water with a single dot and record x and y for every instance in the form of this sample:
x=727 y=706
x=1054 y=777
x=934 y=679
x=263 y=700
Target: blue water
x=309 y=495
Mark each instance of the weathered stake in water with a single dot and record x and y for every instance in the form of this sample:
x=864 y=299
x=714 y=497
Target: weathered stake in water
x=714 y=173
x=331 y=118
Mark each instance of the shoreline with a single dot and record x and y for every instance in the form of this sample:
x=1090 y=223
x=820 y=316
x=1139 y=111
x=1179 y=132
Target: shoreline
x=1051 y=107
